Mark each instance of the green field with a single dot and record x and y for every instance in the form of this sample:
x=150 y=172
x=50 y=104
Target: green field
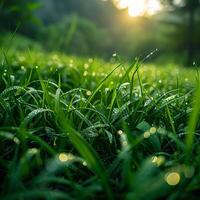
x=83 y=128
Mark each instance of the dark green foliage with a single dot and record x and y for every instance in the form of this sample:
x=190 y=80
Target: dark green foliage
x=75 y=35
x=186 y=15
x=16 y=14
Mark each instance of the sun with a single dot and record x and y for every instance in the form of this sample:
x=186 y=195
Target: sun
x=136 y=8
x=139 y=7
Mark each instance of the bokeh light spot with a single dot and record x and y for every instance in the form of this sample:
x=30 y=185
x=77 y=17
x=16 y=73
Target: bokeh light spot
x=172 y=178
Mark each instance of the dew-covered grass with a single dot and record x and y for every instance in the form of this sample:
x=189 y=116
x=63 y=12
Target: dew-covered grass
x=83 y=128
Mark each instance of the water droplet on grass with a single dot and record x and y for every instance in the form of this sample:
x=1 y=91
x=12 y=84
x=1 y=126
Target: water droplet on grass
x=86 y=66
x=90 y=60
x=22 y=68
x=16 y=140
x=119 y=132
x=154 y=159
x=84 y=163
x=88 y=93
x=107 y=90
x=114 y=54
x=85 y=73
x=33 y=151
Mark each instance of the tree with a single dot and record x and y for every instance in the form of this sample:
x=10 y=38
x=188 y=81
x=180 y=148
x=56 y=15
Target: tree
x=190 y=9
x=15 y=12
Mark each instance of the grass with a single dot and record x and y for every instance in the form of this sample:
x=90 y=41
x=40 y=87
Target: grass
x=77 y=128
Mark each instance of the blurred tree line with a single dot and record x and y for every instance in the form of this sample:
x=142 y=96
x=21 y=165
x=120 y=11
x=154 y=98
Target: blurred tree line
x=187 y=25
x=98 y=28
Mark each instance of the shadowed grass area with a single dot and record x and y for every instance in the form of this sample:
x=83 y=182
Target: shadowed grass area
x=77 y=128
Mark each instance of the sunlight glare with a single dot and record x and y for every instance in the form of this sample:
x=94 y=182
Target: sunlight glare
x=136 y=8
x=139 y=8
x=121 y=4
x=153 y=6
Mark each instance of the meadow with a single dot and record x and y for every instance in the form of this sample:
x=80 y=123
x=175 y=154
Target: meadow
x=83 y=128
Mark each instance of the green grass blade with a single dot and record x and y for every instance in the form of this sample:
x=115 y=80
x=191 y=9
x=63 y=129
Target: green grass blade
x=193 y=120
x=87 y=152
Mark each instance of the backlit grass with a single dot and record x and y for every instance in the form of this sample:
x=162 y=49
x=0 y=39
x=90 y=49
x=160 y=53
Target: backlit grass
x=82 y=128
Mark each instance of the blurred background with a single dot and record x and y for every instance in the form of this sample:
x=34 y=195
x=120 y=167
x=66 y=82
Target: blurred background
x=130 y=28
